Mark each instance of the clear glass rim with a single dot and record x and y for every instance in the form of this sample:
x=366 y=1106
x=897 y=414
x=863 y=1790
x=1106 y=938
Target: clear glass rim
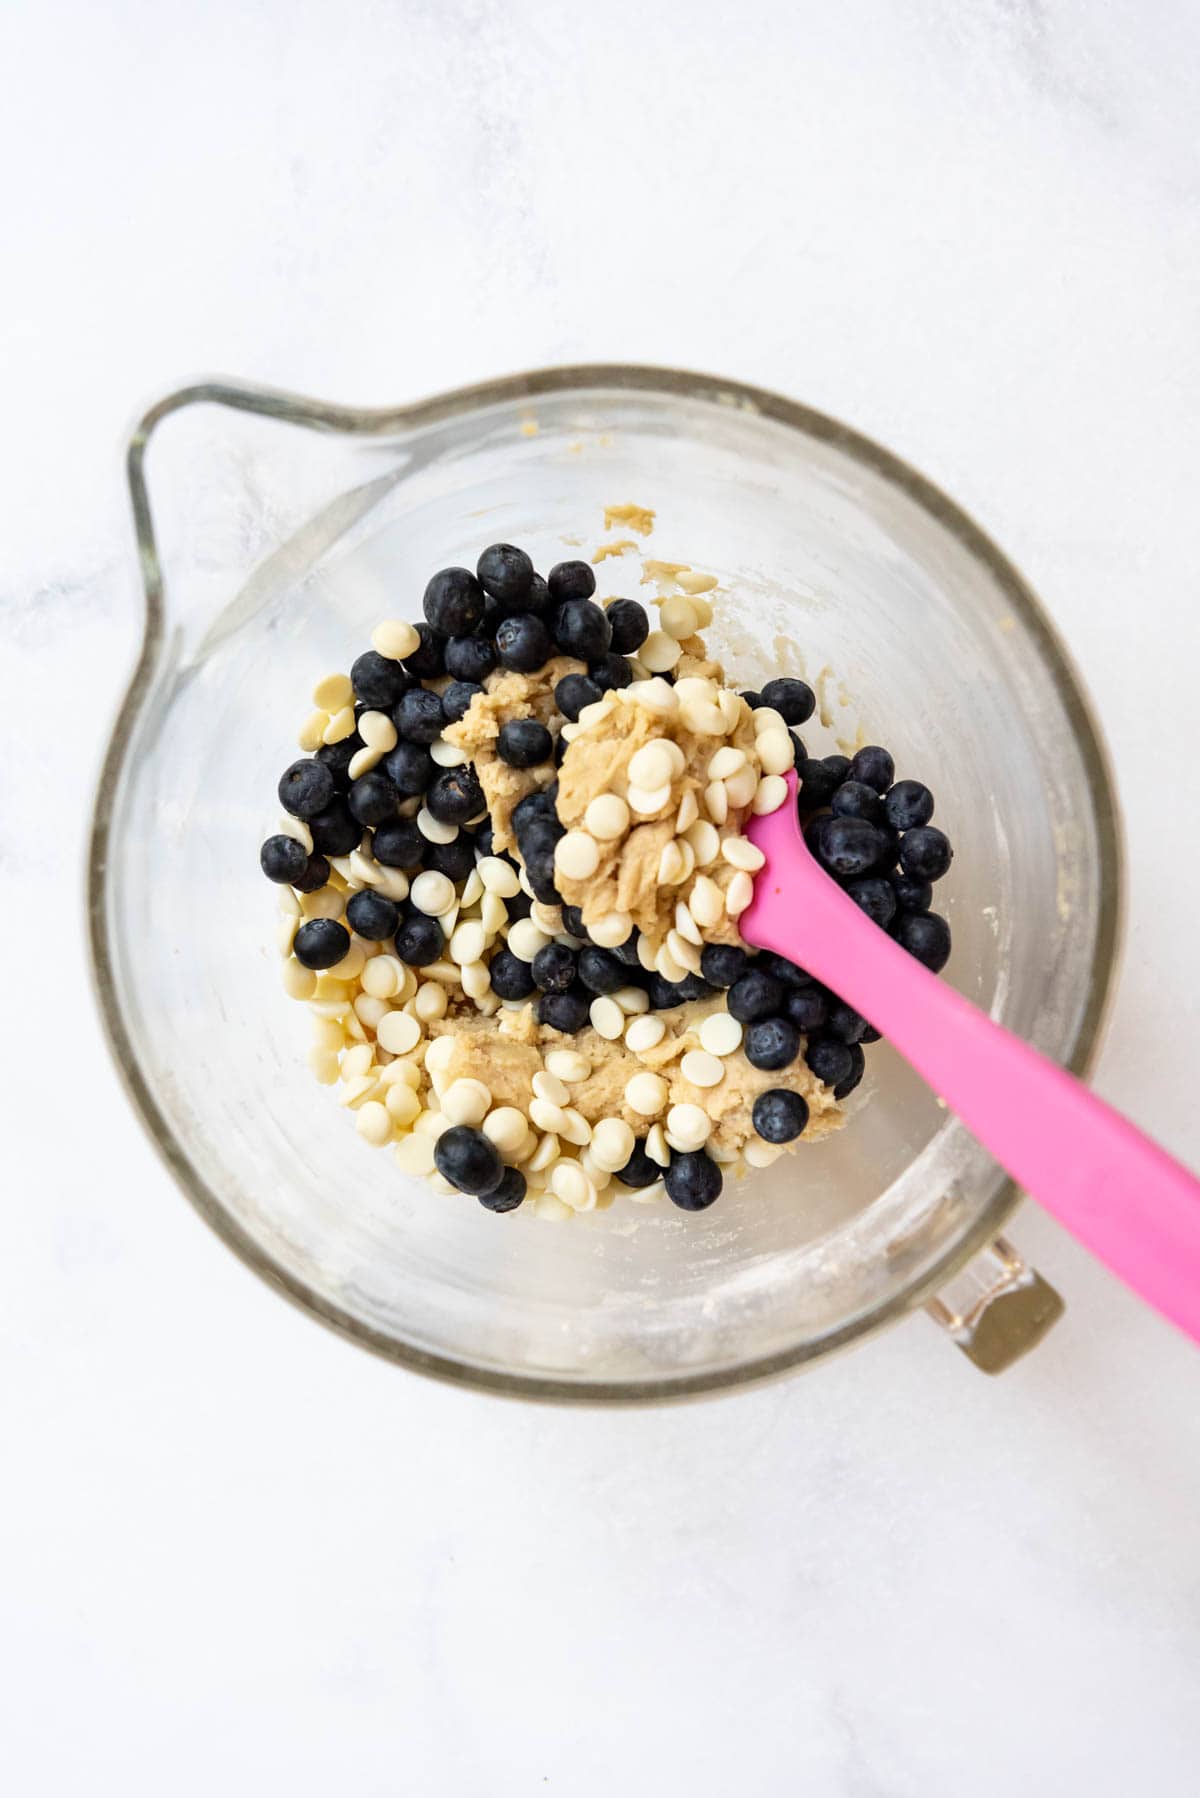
x=353 y=421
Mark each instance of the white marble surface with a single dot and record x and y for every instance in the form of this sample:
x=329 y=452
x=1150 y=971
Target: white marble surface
x=238 y=1555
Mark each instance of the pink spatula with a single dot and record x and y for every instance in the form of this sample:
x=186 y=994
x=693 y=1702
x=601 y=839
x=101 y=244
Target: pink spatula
x=1123 y=1197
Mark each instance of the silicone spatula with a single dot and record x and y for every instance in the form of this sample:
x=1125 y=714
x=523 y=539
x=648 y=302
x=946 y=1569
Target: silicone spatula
x=1124 y=1198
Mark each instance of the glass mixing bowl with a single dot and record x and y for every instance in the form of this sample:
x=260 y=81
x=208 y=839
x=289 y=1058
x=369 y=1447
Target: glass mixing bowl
x=286 y=529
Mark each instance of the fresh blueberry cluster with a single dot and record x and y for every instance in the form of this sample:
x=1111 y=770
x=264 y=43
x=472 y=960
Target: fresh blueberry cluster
x=429 y=822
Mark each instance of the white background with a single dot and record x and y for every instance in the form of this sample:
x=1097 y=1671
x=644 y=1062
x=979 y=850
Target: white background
x=240 y=1556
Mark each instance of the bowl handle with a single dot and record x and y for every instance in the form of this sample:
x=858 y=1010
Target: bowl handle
x=996 y=1308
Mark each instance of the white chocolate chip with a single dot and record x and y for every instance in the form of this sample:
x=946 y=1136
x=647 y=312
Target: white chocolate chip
x=357 y=1091
x=341 y=725
x=402 y=1103
x=775 y=751
x=467 y=943
x=432 y=829
x=704 y=718
x=689 y=811
x=414 y=1154
x=567 y=1065
x=731 y=705
x=652 y=766
x=377 y=731
x=767 y=718
x=682 y=951
x=761 y=1154
x=493 y=913
x=507 y=1128
x=670 y=865
x=433 y=893
x=725 y=762
x=576 y=855
x=395 y=638
x=299 y=982
x=688 y=1127
x=667 y=965
x=576 y=1128
x=499 y=876
x=569 y=1183
x=548 y=1086
x=716 y=801
x=612 y=1144
x=547 y=917
x=609 y=931
x=312 y=735
x=545 y=1155
x=525 y=939
x=706 y=902
x=686 y=924
x=324 y=1064
x=646 y=1094
x=658 y=695
x=547 y=1116
x=739 y=852
x=298 y=830
x=398 y=1033
x=720 y=1033
x=439 y=1054
x=657 y=1147
x=448 y=755
x=738 y=894
x=374 y=1123
x=679 y=618
x=691 y=582
x=646 y=953
x=659 y=653
x=362 y=762
x=351 y=964
x=701 y=1068
x=477 y=981
x=648 y=1195
x=769 y=794
x=607 y=817
x=430 y=1001
x=608 y=1020
x=644 y=1032
x=473 y=889
x=646 y=801
x=369 y=1011
x=432 y=1124
x=466 y=1102
x=632 y=1000
x=324 y=903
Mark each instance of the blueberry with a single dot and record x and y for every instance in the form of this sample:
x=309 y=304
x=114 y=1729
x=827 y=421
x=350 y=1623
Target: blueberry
x=875 y=896
x=871 y=1035
x=845 y=1023
x=889 y=849
x=397 y=843
x=418 y=939
x=571 y=580
x=553 y=968
x=305 y=788
x=519 y=906
x=850 y=847
x=372 y=916
x=468 y=1159
x=321 y=943
x=335 y=831
x=794 y=700
x=911 y=895
x=470 y=658
x=858 y=1062
x=818 y=783
x=534 y=805
x=629 y=625
x=538 y=598
x=663 y=994
x=839 y=767
x=316 y=874
x=508 y=1195
x=454 y=859
x=925 y=936
x=523 y=743
x=799 y=753
x=373 y=798
x=754 y=995
x=783 y=969
x=779 y=1115
x=829 y=1059
x=426 y=661
x=723 y=963
x=639 y=1170
x=410 y=768
x=283 y=859
x=693 y=1181
x=611 y=672
x=512 y=978
x=772 y=1043
x=925 y=852
x=572 y=693
x=600 y=971
x=693 y=986
x=567 y=1011
x=378 y=681
x=453 y=602
x=456 y=699
x=753 y=698
x=419 y=717
x=807 y=1008
x=854 y=799
x=582 y=629
x=874 y=767
x=627 y=951
x=573 y=919
x=523 y=643
x=455 y=795
x=337 y=757
x=814 y=834
x=539 y=871
x=505 y=572
x=908 y=804
x=485 y=840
